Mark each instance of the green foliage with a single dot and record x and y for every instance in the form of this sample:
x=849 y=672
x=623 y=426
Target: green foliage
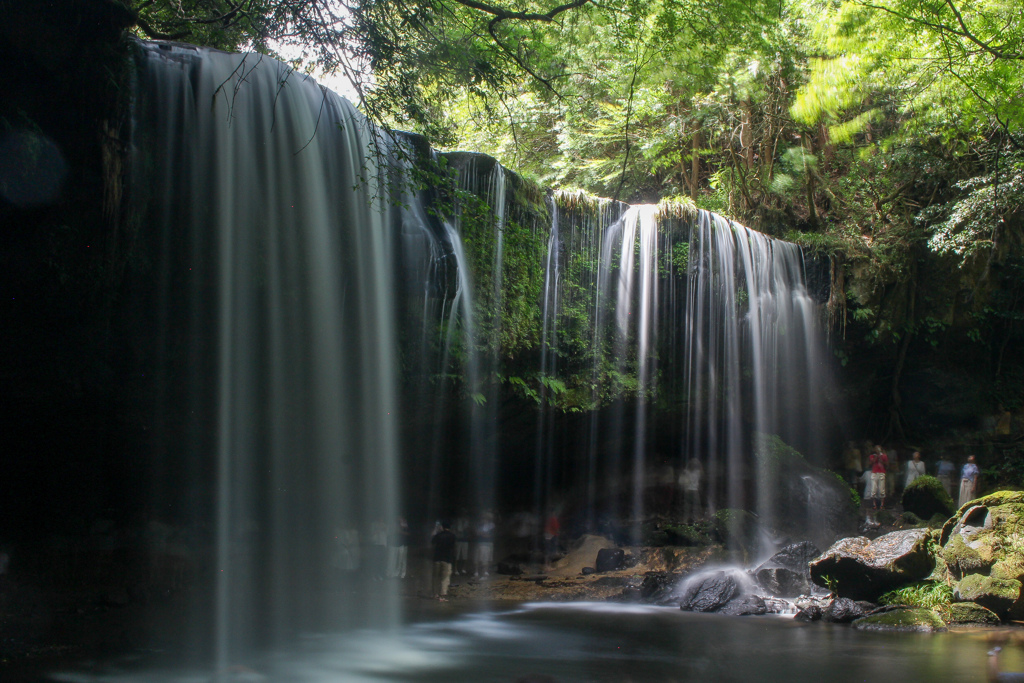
x=927 y=594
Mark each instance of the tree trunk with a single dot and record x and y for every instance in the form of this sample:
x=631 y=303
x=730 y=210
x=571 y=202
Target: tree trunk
x=695 y=162
x=747 y=136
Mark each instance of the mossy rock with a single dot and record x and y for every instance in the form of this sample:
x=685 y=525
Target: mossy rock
x=998 y=595
x=962 y=560
x=926 y=497
x=987 y=537
x=1011 y=502
x=969 y=613
x=911 y=619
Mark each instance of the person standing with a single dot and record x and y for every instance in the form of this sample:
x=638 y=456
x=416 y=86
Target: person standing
x=689 y=481
x=852 y=462
x=968 y=481
x=944 y=473
x=893 y=471
x=484 y=554
x=915 y=469
x=443 y=544
x=461 y=531
x=878 y=461
x=398 y=549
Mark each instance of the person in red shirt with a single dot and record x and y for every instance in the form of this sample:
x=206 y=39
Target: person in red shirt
x=878 y=461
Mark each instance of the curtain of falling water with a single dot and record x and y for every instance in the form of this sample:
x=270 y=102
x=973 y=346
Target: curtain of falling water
x=276 y=262
x=731 y=330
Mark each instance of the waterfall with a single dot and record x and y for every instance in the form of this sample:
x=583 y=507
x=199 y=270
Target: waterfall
x=330 y=344
x=707 y=315
x=273 y=240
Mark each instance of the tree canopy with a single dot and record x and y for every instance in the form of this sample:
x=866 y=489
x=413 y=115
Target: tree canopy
x=877 y=131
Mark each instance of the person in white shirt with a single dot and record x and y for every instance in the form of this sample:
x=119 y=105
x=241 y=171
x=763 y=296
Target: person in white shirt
x=915 y=468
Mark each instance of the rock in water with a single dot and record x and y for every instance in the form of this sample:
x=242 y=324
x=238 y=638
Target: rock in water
x=914 y=619
x=610 y=559
x=861 y=569
x=711 y=593
x=842 y=611
x=740 y=607
x=969 y=613
x=787 y=573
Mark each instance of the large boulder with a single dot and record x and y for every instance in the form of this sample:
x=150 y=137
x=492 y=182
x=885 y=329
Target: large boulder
x=808 y=502
x=862 y=569
x=986 y=536
x=710 y=592
x=913 y=619
x=787 y=573
x=926 y=497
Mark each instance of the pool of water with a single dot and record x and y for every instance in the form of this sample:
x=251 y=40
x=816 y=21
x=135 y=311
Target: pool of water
x=558 y=642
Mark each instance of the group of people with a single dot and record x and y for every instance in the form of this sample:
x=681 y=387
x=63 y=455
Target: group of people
x=883 y=475
x=384 y=555
x=450 y=548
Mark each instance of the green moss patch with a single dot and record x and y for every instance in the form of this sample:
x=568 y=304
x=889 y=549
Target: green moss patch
x=962 y=560
x=969 y=613
x=998 y=595
x=911 y=619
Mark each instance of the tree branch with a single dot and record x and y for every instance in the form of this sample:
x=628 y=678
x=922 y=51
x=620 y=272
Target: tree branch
x=501 y=14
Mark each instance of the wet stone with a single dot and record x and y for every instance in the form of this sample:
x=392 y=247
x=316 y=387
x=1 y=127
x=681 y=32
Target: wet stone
x=710 y=594
x=842 y=611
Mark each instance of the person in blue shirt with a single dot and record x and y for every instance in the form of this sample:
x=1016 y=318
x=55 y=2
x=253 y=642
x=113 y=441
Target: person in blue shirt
x=968 y=481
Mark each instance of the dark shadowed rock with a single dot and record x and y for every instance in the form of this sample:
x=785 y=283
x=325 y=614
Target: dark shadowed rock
x=809 y=613
x=842 y=611
x=863 y=569
x=610 y=559
x=659 y=587
x=751 y=604
x=787 y=573
x=509 y=568
x=587 y=571
x=710 y=593
x=926 y=497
